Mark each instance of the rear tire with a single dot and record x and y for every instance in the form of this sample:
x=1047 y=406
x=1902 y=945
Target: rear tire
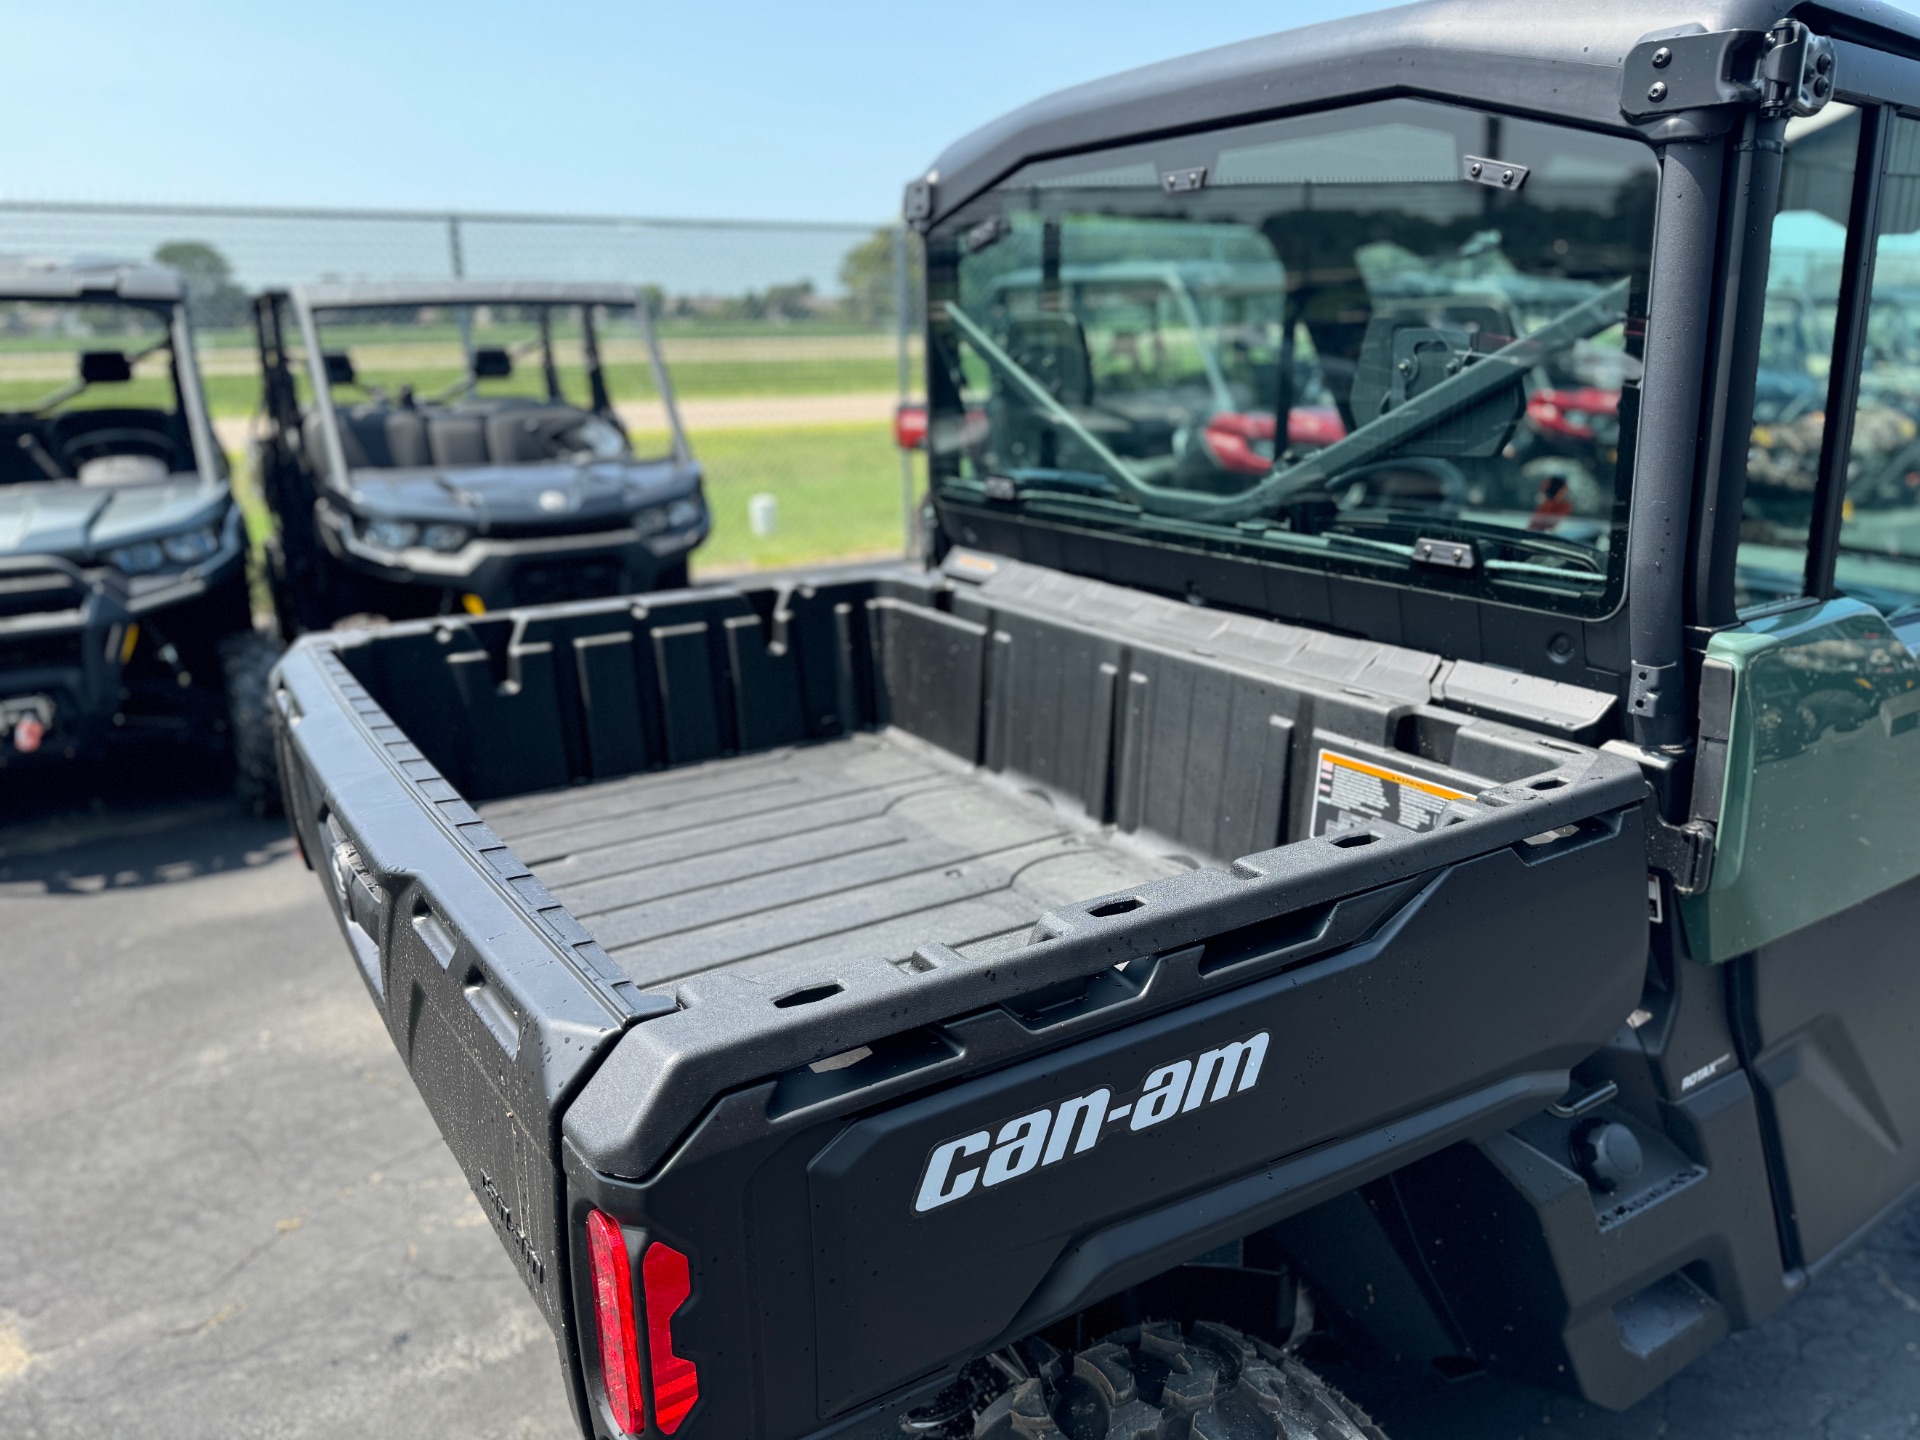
x=1150 y=1382
x=246 y=660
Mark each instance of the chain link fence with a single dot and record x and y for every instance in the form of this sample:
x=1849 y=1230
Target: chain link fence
x=789 y=343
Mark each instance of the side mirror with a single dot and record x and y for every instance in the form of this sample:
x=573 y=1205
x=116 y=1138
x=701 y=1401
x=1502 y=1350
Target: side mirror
x=105 y=367
x=339 y=367
x=490 y=362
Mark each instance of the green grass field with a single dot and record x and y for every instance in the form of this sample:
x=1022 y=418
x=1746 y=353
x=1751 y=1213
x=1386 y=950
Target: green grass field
x=838 y=488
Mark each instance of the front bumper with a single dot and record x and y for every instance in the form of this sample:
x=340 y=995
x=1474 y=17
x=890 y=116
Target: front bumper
x=523 y=570
x=61 y=635
x=66 y=633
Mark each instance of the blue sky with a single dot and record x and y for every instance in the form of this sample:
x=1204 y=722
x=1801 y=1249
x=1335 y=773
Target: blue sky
x=743 y=109
x=754 y=108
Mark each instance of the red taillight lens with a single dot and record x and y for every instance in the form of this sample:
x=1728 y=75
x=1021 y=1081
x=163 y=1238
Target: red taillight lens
x=1314 y=425
x=613 y=1314
x=910 y=427
x=1240 y=444
x=676 y=1382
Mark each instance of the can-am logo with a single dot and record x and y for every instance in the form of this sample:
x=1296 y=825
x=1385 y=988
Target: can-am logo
x=1073 y=1127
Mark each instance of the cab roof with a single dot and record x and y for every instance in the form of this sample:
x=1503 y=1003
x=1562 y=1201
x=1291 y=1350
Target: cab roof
x=1547 y=56
x=26 y=278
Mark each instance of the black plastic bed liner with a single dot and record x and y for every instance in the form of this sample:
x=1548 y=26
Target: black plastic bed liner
x=868 y=844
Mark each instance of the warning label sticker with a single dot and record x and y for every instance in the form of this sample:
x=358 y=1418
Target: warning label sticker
x=1349 y=792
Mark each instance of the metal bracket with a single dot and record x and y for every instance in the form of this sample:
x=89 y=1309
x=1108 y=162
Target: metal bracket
x=1786 y=70
x=1178 y=182
x=1444 y=554
x=1683 y=853
x=1687 y=72
x=1500 y=174
x=1654 y=691
x=916 y=205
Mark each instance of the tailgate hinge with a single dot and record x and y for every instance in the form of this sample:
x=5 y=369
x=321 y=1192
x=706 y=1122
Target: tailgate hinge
x=1683 y=853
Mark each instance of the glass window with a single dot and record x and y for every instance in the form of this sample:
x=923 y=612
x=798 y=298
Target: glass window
x=1796 y=355
x=88 y=392
x=1879 y=559
x=500 y=383
x=1318 y=341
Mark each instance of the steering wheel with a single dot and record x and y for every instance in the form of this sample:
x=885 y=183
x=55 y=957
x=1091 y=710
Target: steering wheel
x=114 y=440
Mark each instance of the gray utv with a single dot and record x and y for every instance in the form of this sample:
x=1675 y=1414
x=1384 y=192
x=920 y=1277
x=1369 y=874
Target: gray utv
x=124 y=602
x=455 y=447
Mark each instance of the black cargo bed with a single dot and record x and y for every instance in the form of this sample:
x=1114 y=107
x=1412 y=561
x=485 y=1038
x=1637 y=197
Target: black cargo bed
x=724 y=911
x=870 y=844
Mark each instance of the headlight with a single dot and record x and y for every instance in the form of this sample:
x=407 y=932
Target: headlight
x=444 y=538
x=185 y=547
x=390 y=534
x=190 y=546
x=684 y=512
x=139 y=559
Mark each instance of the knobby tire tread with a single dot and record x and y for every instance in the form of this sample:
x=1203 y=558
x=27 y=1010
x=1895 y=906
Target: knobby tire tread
x=1152 y=1382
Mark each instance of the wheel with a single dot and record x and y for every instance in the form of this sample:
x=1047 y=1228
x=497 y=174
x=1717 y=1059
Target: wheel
x=245 y=662
x=1147 y=1382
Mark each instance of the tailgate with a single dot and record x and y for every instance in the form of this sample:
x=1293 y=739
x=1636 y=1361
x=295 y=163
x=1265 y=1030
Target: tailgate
x=989 y=1147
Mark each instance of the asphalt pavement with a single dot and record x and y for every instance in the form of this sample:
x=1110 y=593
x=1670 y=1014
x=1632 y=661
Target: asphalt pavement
x=225 y=1212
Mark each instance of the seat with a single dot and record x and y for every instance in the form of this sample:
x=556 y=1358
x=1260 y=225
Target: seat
x=406 y=438
x=524 y=434
x=457 y=438
x=1053 y=350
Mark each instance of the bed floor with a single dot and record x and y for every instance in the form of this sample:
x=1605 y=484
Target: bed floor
x=873 y=844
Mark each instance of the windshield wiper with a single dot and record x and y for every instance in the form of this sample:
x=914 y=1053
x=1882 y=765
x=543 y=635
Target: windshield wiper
x=1372 y=441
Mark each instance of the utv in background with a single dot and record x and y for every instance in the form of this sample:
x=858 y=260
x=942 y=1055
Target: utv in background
x=124 y=604
x=1464 y=870
x=455 y=447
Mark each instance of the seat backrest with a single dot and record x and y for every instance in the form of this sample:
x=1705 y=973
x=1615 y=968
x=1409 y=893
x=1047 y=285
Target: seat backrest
x=456 y=439
x=524 y=434
x=1053 y=349
x=313 y=431
x=406 y=439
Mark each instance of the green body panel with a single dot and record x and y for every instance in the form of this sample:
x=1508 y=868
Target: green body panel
x=1821 y=808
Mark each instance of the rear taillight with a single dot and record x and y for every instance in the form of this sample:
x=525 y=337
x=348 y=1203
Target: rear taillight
x=910 y=427
x=613 y=1314
x=676 y=1382
x=667 y=1282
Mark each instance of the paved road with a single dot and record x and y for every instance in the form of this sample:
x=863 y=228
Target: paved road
x=224 y=1212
